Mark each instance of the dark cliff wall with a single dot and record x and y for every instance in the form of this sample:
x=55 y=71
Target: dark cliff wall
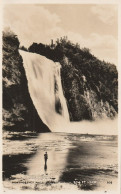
x=19 y=113
x=87 y=99
x=90 y=85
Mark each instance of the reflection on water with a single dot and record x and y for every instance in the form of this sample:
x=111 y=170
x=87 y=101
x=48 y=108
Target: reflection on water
x=57 y=148
x=86 y=162
x=45 y=167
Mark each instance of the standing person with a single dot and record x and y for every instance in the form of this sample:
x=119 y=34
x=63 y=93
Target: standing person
x=45 y=157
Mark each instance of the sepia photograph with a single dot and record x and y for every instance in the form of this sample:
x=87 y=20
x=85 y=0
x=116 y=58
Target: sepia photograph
x=60 y=97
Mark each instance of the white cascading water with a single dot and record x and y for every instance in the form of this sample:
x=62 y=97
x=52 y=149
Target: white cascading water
x=42 y=76
x=59 y=92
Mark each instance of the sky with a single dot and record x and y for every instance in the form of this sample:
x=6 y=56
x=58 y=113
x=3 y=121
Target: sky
x=92 y=26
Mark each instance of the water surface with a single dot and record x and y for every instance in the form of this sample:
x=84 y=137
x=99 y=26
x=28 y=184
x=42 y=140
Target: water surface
x=76 y=161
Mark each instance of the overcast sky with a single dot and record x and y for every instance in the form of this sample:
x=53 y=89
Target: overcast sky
x=92 y=26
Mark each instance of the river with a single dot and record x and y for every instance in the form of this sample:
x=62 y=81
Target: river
x=75 y=161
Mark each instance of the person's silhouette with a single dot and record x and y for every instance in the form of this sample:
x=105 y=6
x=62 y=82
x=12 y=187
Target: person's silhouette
x=45 y=157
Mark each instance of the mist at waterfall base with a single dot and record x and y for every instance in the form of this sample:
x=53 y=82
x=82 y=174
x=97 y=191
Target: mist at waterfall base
x=44 y=83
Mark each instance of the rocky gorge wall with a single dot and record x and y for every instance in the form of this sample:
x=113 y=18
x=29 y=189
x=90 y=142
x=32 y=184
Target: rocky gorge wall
x=84 y=97
x=19 y=113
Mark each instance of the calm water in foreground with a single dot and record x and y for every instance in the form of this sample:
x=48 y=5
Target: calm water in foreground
x=75 y=161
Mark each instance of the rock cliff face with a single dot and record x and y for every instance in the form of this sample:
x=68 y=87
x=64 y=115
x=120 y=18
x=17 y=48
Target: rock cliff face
x=84 y=96
x=19 y=113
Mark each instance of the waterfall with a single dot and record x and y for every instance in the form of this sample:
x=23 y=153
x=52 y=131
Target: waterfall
x=45 y=88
